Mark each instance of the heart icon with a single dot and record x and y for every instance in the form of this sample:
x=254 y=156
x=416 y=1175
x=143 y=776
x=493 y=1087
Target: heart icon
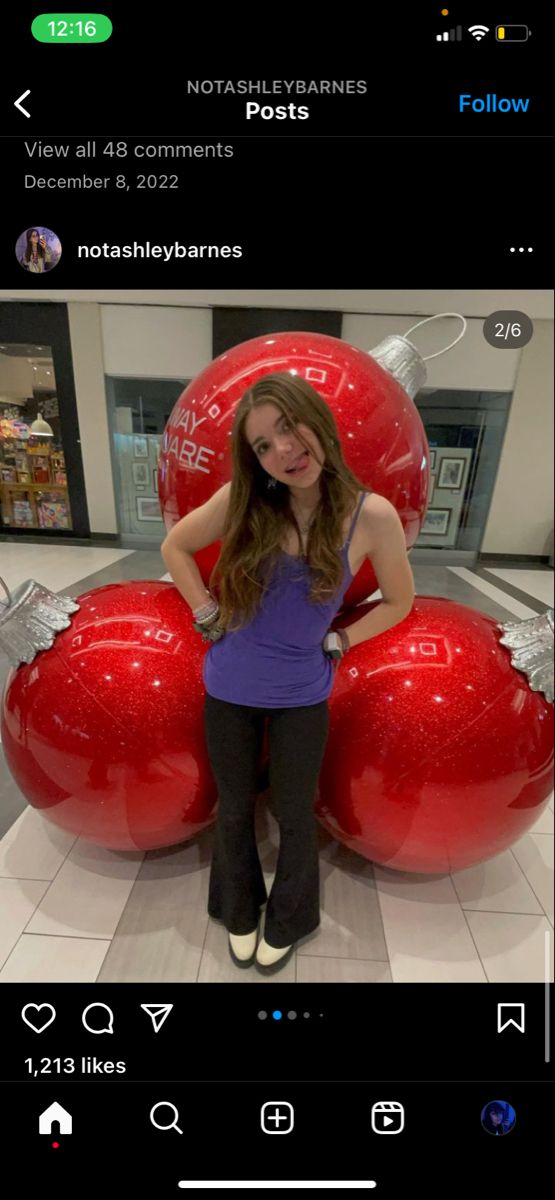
x=40 y=1023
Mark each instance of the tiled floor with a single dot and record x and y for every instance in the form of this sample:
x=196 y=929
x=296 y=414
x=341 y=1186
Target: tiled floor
x=71 y=911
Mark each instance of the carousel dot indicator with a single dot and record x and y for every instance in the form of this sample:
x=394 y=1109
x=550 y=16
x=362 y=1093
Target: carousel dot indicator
x=277 y=1015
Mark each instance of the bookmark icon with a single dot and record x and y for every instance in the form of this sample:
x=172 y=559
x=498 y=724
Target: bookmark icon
x=510 y=1014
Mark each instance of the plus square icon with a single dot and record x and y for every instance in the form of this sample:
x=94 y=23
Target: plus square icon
x=277 y=1116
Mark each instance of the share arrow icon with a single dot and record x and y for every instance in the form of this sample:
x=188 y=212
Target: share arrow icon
x=157 y=1014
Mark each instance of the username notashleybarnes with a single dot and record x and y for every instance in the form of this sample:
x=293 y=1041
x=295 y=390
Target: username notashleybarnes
x=153 y=250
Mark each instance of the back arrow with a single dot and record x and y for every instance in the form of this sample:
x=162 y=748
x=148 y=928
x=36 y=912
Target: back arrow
x=18 y=104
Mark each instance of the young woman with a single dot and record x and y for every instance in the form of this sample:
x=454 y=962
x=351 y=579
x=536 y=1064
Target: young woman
x=296 y=525
x=37 y=255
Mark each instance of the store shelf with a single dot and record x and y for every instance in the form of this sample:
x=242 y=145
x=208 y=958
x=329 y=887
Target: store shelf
x=33 y=504
x=35 y=487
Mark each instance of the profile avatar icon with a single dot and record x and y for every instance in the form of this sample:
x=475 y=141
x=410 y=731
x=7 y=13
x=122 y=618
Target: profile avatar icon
x=498 y=1117
x=38 y=250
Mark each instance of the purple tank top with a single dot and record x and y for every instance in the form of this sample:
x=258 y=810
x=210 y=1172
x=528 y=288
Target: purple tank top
x=277 y=660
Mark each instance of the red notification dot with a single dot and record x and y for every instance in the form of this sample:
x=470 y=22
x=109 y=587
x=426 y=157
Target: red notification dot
x=56 y=1145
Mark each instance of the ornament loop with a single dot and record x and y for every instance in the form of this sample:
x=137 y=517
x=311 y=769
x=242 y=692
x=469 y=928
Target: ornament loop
x=426 y=357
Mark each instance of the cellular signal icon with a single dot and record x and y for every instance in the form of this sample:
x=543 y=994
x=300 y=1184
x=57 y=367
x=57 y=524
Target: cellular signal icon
x=450 y=35
x=478 y=31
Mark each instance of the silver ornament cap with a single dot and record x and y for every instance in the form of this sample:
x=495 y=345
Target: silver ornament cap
x=398 y=356
x=531 y=646
x=30 y=620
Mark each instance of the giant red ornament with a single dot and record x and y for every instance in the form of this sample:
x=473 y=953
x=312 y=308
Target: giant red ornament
x=381 y=432
x=103 y=732
x=439 y=755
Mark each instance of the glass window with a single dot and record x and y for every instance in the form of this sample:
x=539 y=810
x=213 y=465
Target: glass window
x=33 y=476
x=138 y=412
x=465 y=432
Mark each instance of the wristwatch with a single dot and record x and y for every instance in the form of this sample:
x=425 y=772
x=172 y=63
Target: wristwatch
x=336 y=643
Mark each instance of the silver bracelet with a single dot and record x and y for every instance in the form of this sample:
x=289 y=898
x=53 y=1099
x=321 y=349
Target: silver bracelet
x=206 y=622
x=206 y=612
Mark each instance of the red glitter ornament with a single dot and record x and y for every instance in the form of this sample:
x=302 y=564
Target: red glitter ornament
x=440 y=754
x=380 y=429
x=103 y=732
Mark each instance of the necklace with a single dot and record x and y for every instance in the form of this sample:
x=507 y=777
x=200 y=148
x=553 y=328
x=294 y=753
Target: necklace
x=304 y=528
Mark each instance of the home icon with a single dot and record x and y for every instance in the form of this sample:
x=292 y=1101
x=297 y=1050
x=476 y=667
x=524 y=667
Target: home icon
x=55 y=1113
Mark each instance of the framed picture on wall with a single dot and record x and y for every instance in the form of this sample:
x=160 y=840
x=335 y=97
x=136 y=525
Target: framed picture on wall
x=451 y=473
x=140 y=447
x=432 y=460
x=140 y=474
x=155 y=479
x=432 y=486
x=436 y=521
x=148 y=508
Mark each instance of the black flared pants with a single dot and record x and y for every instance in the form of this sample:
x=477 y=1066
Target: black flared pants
x=297 y=740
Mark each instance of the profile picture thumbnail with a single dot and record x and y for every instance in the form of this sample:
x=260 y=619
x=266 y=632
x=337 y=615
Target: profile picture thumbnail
x=498 y=1117
x=38 y=249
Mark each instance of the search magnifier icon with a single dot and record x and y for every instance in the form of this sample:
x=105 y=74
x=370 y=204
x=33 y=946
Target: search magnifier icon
x=172 y=1125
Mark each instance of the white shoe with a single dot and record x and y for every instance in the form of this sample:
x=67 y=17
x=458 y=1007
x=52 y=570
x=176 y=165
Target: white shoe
x=271 y=957
x=242 y=947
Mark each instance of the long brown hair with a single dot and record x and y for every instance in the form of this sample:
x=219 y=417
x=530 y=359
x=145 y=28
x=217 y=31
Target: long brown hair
x=28 y=253
x=258 y=516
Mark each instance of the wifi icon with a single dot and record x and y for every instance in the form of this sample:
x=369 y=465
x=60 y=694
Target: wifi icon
x=478 y=31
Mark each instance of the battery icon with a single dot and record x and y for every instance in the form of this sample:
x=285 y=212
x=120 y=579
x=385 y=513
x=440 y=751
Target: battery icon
x=512 y=33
